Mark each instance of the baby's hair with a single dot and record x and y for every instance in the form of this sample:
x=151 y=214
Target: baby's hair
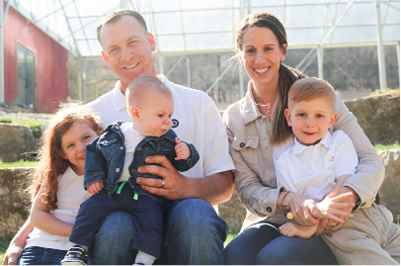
x=308 y=89
x=143 y=87
x=51 y=162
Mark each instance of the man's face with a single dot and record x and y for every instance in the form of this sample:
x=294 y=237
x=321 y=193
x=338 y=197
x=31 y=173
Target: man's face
x=127 y=49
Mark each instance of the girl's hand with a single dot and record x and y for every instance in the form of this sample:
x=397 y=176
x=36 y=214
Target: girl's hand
x=300 y=209
x=331 y=207
x=182 y=150
x=95 y=188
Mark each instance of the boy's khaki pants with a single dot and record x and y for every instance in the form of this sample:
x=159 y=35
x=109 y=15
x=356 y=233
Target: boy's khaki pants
x=370 y=237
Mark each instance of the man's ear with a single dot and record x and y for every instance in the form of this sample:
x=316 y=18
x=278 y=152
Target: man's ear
x=333 y=119
x=134 y=112
x=152 y=42
x=287 y=114
x=105 y=58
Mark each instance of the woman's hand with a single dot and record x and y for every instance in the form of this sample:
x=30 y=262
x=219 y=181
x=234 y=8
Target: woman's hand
x=13 y=253
x=300 y=208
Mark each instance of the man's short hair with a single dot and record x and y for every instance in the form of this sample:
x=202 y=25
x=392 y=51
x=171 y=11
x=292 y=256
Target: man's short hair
x=143 y=87
x=116 y=15
x=311 y=88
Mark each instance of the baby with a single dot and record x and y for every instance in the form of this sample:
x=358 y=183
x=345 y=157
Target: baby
x=112 y=161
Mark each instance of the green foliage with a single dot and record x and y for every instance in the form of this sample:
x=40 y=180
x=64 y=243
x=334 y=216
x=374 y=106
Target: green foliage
x=34 y=125
x=231 y=234
x=5 y=120
x=393 y=93
x=380 y=147
x=20 y=163
x=4 y=242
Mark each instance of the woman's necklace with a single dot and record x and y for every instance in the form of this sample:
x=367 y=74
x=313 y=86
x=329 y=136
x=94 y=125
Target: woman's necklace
x=264 y=108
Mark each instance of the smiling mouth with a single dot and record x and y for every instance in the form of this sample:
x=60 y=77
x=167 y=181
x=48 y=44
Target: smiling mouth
x=261 y=70
x=309 y=134
x=134 y=65
x=82 y=157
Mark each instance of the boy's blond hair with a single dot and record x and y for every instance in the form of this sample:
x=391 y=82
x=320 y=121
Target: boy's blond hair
x=143 y=87
x=308 y=89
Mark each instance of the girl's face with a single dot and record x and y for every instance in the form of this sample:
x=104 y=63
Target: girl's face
x=74 y=142
x=261 y=55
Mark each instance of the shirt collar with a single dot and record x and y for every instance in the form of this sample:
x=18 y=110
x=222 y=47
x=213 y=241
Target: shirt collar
x=299 y=148
x=169 y=84
x=249 y=108
x=118 y=99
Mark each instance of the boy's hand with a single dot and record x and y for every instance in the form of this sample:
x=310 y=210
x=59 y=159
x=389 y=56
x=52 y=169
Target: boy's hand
x=182 y=150
x=95 y=188
x=331 y=207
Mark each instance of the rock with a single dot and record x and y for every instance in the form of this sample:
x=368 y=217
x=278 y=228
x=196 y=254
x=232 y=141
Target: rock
x=14 y=198
x=233 y=212
x=15 y=140
x=379 y=117
x=390 y=190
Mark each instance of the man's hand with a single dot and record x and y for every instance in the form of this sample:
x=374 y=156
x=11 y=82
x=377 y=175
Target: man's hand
x=300 y=206
x=95 y=187
x=176 y=186
x=182 y=150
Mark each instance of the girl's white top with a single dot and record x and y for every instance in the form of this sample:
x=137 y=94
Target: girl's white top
x=70 y=195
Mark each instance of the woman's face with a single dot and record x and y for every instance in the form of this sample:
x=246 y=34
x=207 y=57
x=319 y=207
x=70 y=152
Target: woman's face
x=261 y=55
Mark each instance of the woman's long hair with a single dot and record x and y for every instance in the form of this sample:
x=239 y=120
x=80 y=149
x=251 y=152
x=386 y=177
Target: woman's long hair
x=51 y=163
x=287 y=75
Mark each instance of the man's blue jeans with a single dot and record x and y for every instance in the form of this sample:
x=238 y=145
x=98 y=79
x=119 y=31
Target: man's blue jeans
x=193 y=234
x=262 y=244
x=41 y=256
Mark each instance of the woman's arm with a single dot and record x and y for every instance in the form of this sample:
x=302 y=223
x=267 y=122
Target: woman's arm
x=370 y=171
x=17 y=245
x=43 y=220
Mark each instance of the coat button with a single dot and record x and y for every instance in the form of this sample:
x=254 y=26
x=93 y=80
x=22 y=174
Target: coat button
x=117 y=170
x=242 y=144
x=117 y=127
x=121 y=147
x=269 y=209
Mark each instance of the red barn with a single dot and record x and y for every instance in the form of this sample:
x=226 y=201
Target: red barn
x=35 y=66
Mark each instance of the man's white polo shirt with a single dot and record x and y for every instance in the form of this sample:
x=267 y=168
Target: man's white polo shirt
x=195 y=120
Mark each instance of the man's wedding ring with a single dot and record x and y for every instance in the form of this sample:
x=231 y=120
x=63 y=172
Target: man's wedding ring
x=162 y=186
x=334 y=225
x=304 y=220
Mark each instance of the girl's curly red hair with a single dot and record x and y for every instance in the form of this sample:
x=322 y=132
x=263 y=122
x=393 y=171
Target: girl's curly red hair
x=51 y=163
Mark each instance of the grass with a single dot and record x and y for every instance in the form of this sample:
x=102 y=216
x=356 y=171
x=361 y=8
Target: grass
x=4 y=242
x=20 y=163
x=34 y=125
x=231 y=234
x=380 y=147
x=392 y=92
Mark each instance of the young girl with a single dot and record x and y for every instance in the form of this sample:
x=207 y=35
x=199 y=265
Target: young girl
x=57 y=188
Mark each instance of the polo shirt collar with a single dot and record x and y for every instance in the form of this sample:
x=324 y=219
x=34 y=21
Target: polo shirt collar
x=169 y=84
x=250 y=110
x=118 y=98
x=299 y=148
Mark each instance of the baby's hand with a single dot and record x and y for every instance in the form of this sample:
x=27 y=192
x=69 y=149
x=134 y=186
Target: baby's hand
x=182 y=150
x=331 y=207
x=95 y=188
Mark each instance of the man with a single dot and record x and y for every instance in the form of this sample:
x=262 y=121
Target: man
x=193 y=233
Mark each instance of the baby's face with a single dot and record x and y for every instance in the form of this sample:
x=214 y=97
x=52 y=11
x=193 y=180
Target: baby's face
x=310 y=120
x=155 y=115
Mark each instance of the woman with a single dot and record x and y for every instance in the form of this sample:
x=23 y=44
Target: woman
x=255 y=124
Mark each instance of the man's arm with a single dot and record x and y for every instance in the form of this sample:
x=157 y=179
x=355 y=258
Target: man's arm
x=17 y=245
x=215 y=189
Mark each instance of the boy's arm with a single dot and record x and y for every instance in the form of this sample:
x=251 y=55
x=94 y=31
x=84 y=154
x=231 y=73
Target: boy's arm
x=95 y=164
x=341 y=180
x=186 y=164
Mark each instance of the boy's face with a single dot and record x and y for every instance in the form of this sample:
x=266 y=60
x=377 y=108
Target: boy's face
x=310 y=120
x=153 y=117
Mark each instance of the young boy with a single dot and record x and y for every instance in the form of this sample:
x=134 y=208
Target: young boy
x=113 y=159
x=317 y=165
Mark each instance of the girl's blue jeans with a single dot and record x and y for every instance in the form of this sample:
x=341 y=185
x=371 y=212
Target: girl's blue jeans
x=41 y=256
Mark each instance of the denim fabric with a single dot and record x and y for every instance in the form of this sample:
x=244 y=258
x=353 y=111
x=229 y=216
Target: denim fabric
x=145 y=213
x=263 y=244
x=193 y=234
x=41 y=256
x=105 y=158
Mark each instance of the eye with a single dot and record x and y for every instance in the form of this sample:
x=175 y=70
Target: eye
x=250 y=50
x=87 y=137
x=302 y=115
x=70 y=145
x=319 y=116
x=268 y=48
x=132 y=42
x=160 y=116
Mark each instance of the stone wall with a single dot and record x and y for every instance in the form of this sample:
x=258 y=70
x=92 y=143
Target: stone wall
x=379 y=118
